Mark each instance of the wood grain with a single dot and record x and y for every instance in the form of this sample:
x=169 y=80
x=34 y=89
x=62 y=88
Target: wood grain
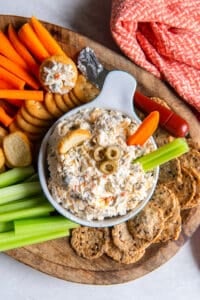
x=56 y=257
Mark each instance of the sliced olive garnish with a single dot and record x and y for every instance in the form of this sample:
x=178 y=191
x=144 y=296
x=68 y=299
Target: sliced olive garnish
x=108 y=166
x=99 y=153
x=112 y=152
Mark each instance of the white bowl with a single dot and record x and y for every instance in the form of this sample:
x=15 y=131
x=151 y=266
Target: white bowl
x=117 y=94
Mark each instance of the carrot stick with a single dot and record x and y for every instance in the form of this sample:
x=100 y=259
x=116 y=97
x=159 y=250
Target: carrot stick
x=8 y=107
x=22 y=50
x=30 y=39
x=22 y=95
x=18 y=71
x=145 y=130
x=5 y=119
x=46 y=38
x=15 y=81
x=7 y=50
x=5 y=85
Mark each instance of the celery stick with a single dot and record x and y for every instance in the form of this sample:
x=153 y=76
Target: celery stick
x=9 y=240
x=15 y=175
x=21 y=204
x=19 y=191
x=40 y=225
x=34 y=177
x=38 y=210
x=6 y=226
x=165 y=153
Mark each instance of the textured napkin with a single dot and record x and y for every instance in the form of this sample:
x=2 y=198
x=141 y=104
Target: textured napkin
x=162 y=36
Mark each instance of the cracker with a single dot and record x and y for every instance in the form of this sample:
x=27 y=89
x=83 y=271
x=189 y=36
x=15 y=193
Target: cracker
x=196 y=199
x=132 y=255
x=38 y=110
x=186 y=191
x=26 y=126
x=125 y=241
x=170 y=172
x=191 y=159
x=68 y=101
x=89 y=242
x=172 y=228
x=148 y=224
x=165 y=200
x=61 y=103
x=74 y=99
x=51 y=106
x=162 y=137
x=84 y=90
x=33 y=120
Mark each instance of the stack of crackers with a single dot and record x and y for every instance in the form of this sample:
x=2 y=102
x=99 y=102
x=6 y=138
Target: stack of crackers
x=161 y=220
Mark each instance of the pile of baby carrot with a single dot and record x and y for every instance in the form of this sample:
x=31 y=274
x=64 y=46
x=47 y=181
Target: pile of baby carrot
x=21 y=53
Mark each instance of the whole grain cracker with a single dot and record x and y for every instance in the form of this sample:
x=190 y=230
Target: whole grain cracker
x=170 y=172
x=148 y=224
x=196 y=199
x=191 y=159
x=89 y=242
x=165 y=200
x=162 y=137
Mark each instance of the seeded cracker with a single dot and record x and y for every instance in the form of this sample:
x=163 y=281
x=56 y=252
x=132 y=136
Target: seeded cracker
x=89 y=242
x=191 y=159
x=196 y=199
x=165 y=200
x=148 y=224
x=170 y=172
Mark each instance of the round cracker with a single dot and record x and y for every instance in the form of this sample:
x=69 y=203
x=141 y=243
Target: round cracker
x=162 y=137
x=38 y=110
x=195 y=201
x=165 y=200
x=186 y=191
x=148 y=224
x=74 y=99
x=68 y=101
x=33 y=120
x=26 y=126
x=191 y=159
x=126 y=257
x=89 y=242
x=51 y=106
x=61 y=103
x=84 y=90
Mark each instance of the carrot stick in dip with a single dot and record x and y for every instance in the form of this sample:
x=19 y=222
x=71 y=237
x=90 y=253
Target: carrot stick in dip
x=18 y=71
x=31 y=41
x=22 y=94
x=22 y=50
x=145 y=130
x=46 y=38
x=7 y=50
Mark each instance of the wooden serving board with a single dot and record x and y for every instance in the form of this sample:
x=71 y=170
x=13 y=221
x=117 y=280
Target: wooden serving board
x=56 y=257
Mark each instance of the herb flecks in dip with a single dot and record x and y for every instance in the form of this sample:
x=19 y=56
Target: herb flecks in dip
x=77 y=183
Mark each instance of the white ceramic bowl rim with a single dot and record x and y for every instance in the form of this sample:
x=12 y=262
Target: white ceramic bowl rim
x=117 y=94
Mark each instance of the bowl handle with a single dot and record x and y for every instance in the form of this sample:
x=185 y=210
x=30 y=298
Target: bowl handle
x=117 y=93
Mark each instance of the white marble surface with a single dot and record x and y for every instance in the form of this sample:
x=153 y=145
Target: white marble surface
x=179 y=278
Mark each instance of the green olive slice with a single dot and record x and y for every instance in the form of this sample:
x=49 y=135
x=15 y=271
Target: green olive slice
x=99 y=153
x=108 y=166
x=112 y=152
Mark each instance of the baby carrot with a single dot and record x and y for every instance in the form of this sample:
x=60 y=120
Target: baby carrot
x=31 y=41
x=7 y=50
x=22 y=95
x=5 y=119
x=22 y=50
x=46 y=38
x=13 y=80
x=145 y=130
x=18 y=71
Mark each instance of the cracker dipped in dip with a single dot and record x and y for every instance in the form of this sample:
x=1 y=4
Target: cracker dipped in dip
x=90 y=165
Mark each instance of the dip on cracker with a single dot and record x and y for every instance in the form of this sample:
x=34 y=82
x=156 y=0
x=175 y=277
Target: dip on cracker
x=90 y=165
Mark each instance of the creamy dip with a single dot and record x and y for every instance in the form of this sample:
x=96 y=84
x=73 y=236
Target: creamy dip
x=77 y=183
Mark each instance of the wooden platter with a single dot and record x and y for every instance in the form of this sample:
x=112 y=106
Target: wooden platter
x=56 y=258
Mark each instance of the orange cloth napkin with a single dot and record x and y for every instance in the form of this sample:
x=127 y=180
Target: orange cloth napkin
x=162 y=36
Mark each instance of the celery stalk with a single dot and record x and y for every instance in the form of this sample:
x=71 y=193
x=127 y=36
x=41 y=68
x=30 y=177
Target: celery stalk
x=36 y=211
x=34 y=177
x=6 y=226
x=15 y=175
x=165 y=153
x=8 y=240
x=19 y=191
x=21 y=204
x=47 y=224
